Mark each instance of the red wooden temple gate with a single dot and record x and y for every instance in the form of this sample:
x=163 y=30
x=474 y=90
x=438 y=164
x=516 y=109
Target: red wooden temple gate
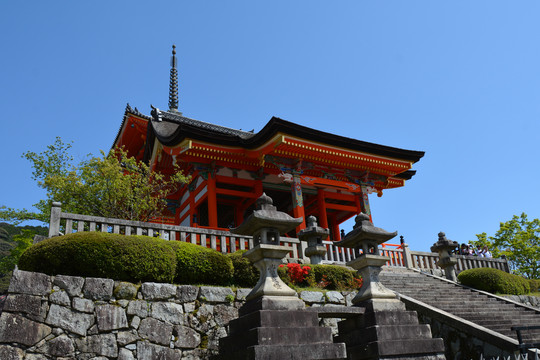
x=305 y=171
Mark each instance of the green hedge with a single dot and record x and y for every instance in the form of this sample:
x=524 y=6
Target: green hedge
x=128 y=258
x=245 y=274
x=142 y=258
x=336 y=277
x=534 y=284
x=200 y=265
x=96 y=254
x=494 y=281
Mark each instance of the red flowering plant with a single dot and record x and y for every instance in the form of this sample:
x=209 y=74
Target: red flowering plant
x=327 y=277
x=296 y=274
x=324 y=282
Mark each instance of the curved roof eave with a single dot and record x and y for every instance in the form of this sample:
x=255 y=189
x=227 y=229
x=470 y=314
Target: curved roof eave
x=173 y=129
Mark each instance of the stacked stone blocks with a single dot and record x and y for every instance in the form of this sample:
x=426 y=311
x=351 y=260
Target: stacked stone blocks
x=48 y=317
x=69 y=317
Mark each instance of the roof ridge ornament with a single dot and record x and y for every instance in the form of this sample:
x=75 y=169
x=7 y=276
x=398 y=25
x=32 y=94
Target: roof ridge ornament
x=173 y=83
x=156 y=113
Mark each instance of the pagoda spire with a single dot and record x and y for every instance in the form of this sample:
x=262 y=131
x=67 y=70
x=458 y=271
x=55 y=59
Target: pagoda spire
x=173 y=84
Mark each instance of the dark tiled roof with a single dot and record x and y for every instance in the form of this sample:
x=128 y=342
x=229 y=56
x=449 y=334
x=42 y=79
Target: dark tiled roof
x=171 y=128
x=179 y=119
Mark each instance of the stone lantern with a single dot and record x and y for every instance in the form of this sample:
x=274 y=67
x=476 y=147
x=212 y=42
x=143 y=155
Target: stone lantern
x=273 y=323
x=446 y=261
x=386 y=330
x=266 y=224
x=365 y=239
x=314 y=236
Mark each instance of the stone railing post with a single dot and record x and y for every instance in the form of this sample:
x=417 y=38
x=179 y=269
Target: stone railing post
x=407 y=256
x=54 y=223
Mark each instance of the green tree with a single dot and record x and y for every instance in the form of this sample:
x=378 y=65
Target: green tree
x=519 y=240
x=111 y=185
x=22 y=242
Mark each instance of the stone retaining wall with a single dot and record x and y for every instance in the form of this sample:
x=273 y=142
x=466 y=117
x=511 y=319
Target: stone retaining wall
x=69 y=317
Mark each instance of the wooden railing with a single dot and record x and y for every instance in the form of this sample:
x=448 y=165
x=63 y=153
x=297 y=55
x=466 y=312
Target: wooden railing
x=226 y=242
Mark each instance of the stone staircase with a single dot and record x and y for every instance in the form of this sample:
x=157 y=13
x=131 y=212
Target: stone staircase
x=486 y=310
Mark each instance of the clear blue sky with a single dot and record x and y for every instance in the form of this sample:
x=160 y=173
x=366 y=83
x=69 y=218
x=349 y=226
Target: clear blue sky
x=459 y=80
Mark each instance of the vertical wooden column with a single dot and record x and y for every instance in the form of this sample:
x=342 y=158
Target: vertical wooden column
x=335 y=228
x=321 y=204
x=240 y=210
x=364 y=202
x=212 y=200
x=298 y=201
x=192 y=211
x=258 y=188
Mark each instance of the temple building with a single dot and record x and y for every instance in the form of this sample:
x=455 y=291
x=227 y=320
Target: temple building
x=305 y=171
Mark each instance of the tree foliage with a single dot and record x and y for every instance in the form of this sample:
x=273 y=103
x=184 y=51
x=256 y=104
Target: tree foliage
x=519 y=240
x=13 y=240
x=22 y=241
x=111 y=185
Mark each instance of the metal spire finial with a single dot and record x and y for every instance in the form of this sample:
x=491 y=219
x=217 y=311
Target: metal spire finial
x=173 y=85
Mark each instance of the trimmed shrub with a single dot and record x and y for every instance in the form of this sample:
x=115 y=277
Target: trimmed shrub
x=534 y=284
x=245 y=274
x=494 y=281
x=333 y=277
x=104 y=255
x=328 y=277
x=200 y=265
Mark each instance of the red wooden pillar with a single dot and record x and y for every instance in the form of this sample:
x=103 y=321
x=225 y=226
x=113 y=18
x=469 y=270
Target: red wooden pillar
x=335 y=228
x=321 y=204
x=298 y=201
x=212 y=200
x=192 y=212
x=239 y=213
x=258 y=188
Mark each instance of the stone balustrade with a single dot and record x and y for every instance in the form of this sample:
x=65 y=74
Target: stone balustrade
x=226 y=242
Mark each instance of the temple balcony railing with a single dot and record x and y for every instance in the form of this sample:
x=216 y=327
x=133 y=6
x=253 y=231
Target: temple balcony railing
x=225 y=242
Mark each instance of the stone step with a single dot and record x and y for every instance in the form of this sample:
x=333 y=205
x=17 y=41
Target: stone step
x=484 y=315
x=474 y=308
x=420 y=290
x=336 y=311
x=445 y=298
x=386 y=332
x=274 y=318
x=431 y=289
x=468 y=304
x=419 y=283
x=276 y=336
x=488 y=308
x=380 y=318
x=277 y=352
x=508 y=332
x=402 y=348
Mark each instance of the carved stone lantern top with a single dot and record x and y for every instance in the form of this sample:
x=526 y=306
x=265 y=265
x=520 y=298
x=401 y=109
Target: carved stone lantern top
x=444 y=244
x=266 y=218
x=266 y=224
x=313 y=230
x=365 y=232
